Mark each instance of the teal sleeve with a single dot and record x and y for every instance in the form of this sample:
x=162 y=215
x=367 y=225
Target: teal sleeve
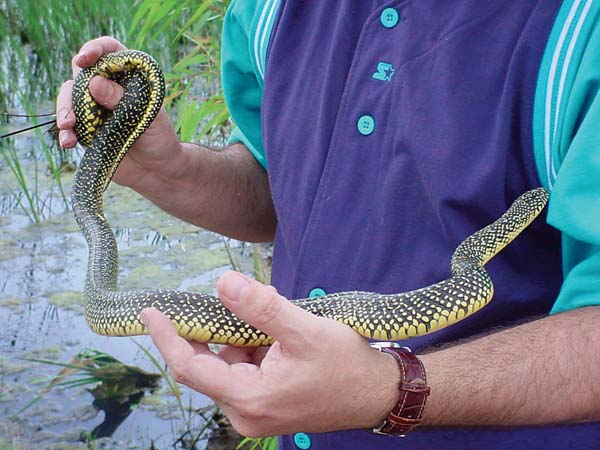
x=242 y=83
x=574 y=206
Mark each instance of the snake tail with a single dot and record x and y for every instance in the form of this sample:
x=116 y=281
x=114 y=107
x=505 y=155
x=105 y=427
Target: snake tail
x=428 y=309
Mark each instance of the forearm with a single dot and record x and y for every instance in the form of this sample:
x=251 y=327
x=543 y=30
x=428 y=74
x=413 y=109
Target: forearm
x=224 y=191
x=538 y=373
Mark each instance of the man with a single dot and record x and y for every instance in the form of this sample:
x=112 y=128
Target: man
x=372 y=138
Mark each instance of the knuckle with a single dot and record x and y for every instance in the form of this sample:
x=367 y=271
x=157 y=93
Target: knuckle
x=66 y=139
x=108 y=38
x=269 y=306
x=109 y=43
x=67 y=85
x=179 y=373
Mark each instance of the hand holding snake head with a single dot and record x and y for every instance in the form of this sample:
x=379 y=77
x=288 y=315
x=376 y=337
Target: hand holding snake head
x=158 y=144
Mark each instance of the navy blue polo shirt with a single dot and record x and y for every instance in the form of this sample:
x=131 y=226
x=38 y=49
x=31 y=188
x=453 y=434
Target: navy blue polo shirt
x=391 y=130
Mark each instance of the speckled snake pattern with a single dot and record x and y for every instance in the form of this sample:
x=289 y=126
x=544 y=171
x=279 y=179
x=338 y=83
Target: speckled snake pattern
x=108 y=136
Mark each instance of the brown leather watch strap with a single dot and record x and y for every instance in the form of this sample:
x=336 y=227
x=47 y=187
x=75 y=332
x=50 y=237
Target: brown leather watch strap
x=413 y=388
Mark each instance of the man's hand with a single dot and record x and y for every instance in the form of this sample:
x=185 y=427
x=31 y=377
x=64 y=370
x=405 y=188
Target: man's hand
x=225 y=191
x=319 y=375
x=155 y=149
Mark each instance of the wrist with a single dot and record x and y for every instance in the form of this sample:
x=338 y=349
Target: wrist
x=413 y=391
x=386 y=387
x=155 y=157
x=159 y=174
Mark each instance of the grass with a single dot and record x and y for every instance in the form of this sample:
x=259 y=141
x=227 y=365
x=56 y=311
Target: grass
x=108 y=379
x=29 y=204
x=190 y=32
x=111 y=378
x=37 y=187
x=268 y=443
x=38 y=39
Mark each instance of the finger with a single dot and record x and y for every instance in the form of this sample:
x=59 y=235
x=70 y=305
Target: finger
x=259 y=354
x=106 y=92
x=92 y=50
x=67 y=139
x=65 y=118
x=234 y=355
x=262 y=307
x=195 y=366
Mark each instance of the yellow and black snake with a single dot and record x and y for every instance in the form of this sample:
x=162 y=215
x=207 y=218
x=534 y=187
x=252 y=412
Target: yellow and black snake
x=200 y=317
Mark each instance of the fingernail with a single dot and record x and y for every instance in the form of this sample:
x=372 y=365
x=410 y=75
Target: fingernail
x=234 y=286
x=63 y=139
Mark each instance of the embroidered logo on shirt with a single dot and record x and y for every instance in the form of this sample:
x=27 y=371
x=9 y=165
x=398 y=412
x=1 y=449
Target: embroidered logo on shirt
x=385 y=71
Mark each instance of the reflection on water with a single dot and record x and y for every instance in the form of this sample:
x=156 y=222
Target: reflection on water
x=125 y=237
x=42 y=270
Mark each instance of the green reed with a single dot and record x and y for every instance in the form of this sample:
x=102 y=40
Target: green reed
x=190 y=435
x=184 y=36
x=268 y=443
x=38 y=40
x=12 y=160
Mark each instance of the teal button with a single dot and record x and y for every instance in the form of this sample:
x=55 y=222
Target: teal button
x=317 y=292
x=365 y=125
x=302 y=441
x=389 y=17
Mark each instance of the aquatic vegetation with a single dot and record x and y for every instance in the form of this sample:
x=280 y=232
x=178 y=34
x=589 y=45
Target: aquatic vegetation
x=117 y=387
x=36 y=45
x=268 y=443
x=191 y=31
x=37 y=40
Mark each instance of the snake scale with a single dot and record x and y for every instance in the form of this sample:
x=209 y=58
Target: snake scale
x=200 y=317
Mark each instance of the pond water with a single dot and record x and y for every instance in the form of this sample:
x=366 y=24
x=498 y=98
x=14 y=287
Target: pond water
x=42 y=271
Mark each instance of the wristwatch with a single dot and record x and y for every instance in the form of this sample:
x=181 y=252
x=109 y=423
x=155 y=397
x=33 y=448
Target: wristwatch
x=413 y=388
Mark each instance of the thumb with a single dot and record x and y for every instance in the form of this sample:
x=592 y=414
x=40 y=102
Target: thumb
x=262 y=307
x=106 y=92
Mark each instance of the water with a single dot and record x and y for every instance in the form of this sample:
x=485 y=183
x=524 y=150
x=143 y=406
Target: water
x=42 y=271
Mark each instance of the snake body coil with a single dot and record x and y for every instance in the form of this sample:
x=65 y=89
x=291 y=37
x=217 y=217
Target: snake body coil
x=108 y=137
